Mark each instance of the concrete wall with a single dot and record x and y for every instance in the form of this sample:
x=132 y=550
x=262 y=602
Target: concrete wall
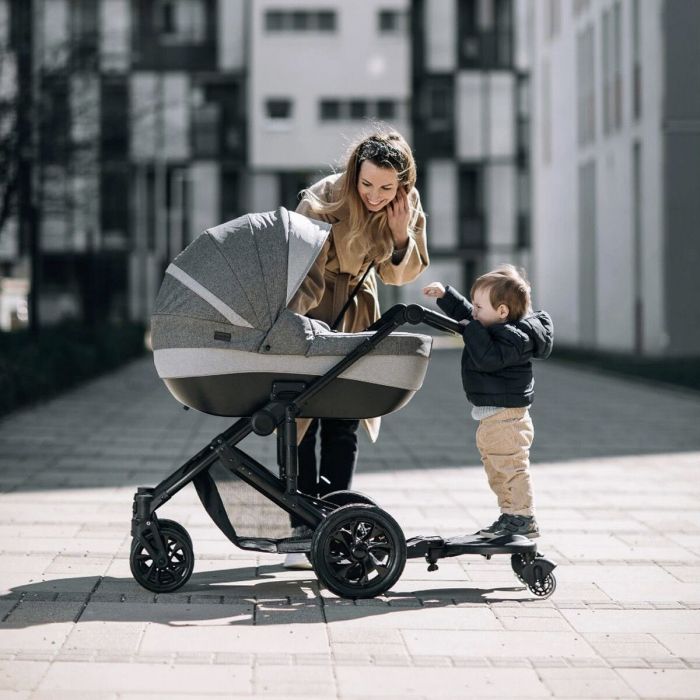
x=353 y=61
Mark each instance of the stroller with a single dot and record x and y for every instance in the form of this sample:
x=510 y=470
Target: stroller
x=225 y=343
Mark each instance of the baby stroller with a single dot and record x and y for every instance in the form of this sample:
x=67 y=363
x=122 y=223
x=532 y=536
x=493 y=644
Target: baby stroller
x=225 y=343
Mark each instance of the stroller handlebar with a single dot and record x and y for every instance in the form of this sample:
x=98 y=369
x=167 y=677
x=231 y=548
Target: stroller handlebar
x=414 y=314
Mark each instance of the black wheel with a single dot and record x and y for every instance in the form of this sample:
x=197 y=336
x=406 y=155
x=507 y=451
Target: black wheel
x=358 y=551
x=345 y=498
x=545 y=587
x=179 y=560
x=518 y=564
x=537 y=576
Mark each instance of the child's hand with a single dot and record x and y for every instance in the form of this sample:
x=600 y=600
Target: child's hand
x=434 y=289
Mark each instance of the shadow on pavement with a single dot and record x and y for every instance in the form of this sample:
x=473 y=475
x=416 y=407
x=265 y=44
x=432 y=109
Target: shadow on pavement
x=141 y=435
x=217 y=595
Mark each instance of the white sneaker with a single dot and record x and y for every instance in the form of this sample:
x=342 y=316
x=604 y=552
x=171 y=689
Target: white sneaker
x=297 y=561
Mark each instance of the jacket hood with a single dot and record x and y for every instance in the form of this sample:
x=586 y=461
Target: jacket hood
x=540 y=328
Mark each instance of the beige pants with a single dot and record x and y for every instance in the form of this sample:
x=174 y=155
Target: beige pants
x=504 y=443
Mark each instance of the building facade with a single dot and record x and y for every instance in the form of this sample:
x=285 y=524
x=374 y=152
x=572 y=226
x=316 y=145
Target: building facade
x=616 y=172
x=471 y=129
x=158 y=119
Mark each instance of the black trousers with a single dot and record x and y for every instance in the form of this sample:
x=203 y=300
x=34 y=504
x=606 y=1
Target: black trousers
x=338 y=458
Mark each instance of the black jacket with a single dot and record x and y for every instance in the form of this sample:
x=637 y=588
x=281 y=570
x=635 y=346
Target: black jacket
x=496 y=362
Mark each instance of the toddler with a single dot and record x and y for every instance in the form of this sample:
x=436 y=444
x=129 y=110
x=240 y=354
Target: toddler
x=501 y=336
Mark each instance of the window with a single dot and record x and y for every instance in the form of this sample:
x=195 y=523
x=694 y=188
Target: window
x=617 y=66
x=300 y=20
x=278 y=108
x=205 y=130
x=114 y=192
x=391 y=21
x=503 y=33
x=386 y=109
x=358 y=109
x=612 y=69
x=585 y=60
x=333 y=109
x=181 y=21
x=471 y=198
x=114 y=118
x=330 y=110
x=636 y=62
x=84 y=33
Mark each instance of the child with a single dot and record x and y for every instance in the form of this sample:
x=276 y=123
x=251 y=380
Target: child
x=501 y=336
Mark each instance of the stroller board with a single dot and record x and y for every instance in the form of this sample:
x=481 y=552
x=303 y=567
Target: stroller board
x=224 y=349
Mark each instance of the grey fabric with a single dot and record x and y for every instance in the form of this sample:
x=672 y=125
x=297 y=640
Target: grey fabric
x=404 y=372
x=237 y=273
x=270 y=233
x=177 y=331
x=306 y=238
x=291 y=334
x=174 y=299
x=204 y=261
x=395 y=344
x=236 y=243
x=203 y=293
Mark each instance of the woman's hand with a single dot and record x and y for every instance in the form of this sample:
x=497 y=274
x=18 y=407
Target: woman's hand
x=398 y=215
x=434 y=289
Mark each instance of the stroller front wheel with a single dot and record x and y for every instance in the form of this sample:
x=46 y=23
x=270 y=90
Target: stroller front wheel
x=179 y=562
x=358 y=551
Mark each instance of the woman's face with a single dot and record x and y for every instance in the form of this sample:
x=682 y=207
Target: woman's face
x=376 y=186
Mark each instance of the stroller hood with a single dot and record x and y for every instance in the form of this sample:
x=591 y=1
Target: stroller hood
x=232 y=283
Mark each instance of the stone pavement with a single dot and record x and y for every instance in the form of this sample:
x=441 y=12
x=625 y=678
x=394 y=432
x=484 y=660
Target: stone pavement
x=616 y=476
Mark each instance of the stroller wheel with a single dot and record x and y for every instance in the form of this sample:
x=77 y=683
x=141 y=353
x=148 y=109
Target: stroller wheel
x=179 y=560
x=358 y=551
x=344 y=498
x=518 y=563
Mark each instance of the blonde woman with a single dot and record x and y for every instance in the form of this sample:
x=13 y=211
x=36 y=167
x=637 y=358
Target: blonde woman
x=378 y=230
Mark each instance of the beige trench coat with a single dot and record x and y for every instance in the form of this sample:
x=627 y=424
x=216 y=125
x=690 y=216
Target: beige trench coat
x=338 y=270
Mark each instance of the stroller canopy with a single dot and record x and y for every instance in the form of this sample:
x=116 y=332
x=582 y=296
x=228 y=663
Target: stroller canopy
x=243 y=272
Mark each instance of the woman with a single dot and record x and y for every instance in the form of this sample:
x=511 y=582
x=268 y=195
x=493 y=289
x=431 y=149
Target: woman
x=377 y=221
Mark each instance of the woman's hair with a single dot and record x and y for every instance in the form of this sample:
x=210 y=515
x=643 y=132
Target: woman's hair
x=507 y=285
x=369 y=231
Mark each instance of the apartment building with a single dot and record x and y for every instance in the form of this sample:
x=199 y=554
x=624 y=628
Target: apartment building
x=139 y=112
x=470 y=129
x=616 y=172
x=161 y=118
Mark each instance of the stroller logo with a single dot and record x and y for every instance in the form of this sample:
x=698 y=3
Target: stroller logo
x=220 y=335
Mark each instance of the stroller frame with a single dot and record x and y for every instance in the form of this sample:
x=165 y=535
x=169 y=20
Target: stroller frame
x=357 y=549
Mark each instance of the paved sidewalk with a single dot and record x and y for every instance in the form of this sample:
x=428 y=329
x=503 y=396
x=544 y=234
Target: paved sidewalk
x=616 y=478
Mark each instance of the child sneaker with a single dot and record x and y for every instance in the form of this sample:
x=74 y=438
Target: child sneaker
x=509 y=525
x=495 y=528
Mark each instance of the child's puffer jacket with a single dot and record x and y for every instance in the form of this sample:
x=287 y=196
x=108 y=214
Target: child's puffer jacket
x=497 y=359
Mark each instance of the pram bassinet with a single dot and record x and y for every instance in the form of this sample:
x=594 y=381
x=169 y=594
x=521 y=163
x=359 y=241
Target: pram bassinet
x=222 y=333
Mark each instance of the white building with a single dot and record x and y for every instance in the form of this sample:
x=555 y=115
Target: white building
x=616 y=172
x=471 y=126
x=320 y=75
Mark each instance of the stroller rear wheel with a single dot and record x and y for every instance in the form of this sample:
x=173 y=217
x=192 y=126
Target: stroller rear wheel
x=347 y=497
x=179 y=560
x=358 y=551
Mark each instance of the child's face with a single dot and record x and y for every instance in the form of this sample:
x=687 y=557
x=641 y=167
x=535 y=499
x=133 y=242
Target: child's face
x=484 y=312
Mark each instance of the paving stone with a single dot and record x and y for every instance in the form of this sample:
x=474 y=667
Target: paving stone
x=144 y=677
x=662 y=683
x=624 y=619
x=492 y=644
x=585 y=683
